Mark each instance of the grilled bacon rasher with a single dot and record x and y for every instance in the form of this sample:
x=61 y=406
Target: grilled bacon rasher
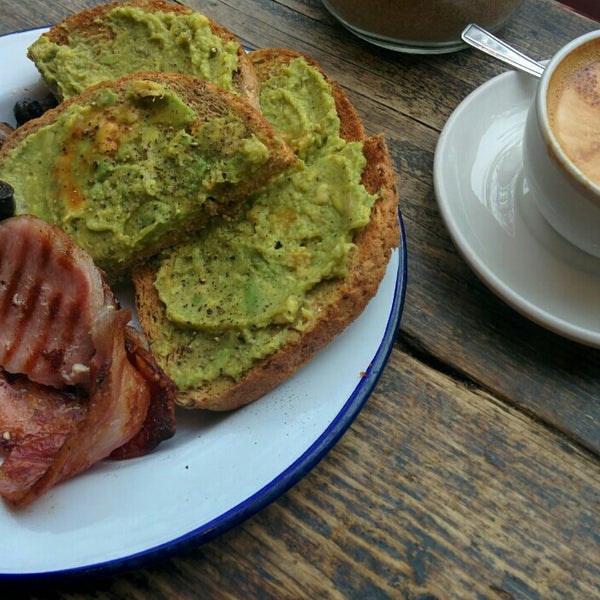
x=77 y=382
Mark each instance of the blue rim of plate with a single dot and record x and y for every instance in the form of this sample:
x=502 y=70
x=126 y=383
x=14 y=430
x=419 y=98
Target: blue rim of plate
x=273 y=490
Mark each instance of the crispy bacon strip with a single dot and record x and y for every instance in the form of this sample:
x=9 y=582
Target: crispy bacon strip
x=160 y=419
x=118 y=404
x=123 y=403
x=34 y=423
x=50 y=291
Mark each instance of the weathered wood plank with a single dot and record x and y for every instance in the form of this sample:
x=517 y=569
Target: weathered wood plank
x=438 y=490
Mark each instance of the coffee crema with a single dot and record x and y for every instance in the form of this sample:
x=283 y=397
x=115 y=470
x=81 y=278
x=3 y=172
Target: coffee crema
x=573 y=105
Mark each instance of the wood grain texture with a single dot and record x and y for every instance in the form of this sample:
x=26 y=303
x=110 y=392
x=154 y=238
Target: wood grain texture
x=474 y=469
x=437 y=491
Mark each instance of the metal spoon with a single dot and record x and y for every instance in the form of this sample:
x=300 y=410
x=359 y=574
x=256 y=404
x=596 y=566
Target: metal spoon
x=483 y=40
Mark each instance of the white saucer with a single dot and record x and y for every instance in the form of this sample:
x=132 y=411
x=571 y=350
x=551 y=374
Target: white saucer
x=493 y=220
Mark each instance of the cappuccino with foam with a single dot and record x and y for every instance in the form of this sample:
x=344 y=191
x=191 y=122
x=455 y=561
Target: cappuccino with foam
x=573 y=105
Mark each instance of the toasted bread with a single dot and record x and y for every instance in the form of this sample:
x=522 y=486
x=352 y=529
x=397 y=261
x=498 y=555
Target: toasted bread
x=269 y=62
x=334 y=302
x=91 y=33
x=162 y=150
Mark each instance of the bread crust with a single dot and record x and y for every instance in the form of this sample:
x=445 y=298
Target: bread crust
x=340 y=301
x=209 y=102
x=89 y=22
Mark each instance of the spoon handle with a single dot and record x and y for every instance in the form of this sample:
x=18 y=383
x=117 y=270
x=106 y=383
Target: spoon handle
x=483 y=40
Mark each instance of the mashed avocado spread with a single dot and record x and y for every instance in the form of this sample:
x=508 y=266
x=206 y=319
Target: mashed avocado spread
x=235 y=293
x=133 y=40
x=124 y=169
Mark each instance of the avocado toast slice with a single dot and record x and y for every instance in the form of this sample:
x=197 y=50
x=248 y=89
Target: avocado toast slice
x=132 y=165
x=241 y=306
x=120 y=38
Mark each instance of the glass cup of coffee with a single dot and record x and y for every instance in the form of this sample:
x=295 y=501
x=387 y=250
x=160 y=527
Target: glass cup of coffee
x=561 y=143
x=419 y=26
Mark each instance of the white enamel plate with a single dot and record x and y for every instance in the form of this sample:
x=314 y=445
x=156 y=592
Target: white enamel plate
x=218 y=469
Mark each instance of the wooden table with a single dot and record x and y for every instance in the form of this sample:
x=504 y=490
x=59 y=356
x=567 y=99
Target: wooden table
x=474 y=469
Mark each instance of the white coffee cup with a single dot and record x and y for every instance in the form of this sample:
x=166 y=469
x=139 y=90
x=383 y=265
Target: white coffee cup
x=562 y=133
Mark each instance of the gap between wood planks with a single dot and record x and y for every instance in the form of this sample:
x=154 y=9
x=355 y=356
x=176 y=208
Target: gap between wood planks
x=410 y=346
